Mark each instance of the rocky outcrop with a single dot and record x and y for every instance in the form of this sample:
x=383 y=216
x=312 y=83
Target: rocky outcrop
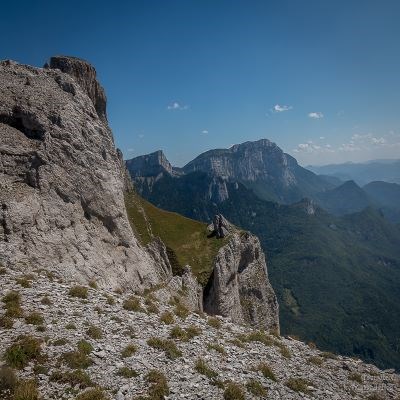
x=85 y=75
x=239 y=285
x=61 y=178
x=149 y=165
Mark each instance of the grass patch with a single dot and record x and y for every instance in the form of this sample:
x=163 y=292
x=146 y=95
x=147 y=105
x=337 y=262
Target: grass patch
x=110 y=299
x=217 y=347
x=185 y=334
x=129 y=350
x=34 y=318
x=185 y=238
x=73 y=378
x=3 y=270
x=133 y=304
x=234 y=391
x=26 y=390
x=328 y=355
x=25 y=280
x=315 y=360
x=214 y=322
x=70 y=326
x=180 y=309
x=354 y=376
x=169 y=346
x=80 y=292
x=24 y=350
x=8 y=379
x=84 y=347
x=6 y=322
x=77 y=360
x=12 y=304
x=94 y=332
x=167 y=318
x=127 y=372
x=93 y=284
x=203 y=368
x=46 y=301
x=158 y=385
x=258 y=336
x=298 y=385
x=256 y=388
x=266 y=370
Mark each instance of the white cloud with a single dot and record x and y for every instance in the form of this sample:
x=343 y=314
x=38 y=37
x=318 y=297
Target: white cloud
x=205 y=131
x=130 y=150
x=278 y=108
x=310 y=147
x=322 y=137
x=177 y=106
x=316 y=115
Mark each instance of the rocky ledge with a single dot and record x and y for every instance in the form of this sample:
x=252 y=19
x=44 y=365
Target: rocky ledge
x=72 y=342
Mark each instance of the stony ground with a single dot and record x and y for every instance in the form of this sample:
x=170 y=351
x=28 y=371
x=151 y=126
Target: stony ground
x=102 y=340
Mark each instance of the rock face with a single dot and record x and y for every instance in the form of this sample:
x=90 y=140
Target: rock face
x=61 y=178
x=239 y=285
x=149 y=165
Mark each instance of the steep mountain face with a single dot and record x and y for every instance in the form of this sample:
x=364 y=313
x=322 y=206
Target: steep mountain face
x=62 y=203
x=344 y=199
x=362 y=173
x=261 y=166
x=336 y=278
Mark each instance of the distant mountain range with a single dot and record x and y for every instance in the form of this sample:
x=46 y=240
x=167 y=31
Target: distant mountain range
x=362 y=173
x=337 y=278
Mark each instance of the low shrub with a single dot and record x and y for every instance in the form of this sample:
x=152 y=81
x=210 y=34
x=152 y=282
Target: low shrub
x=12 y=304
x=26 y=390
x=202 y=368
x=73 y=378
x=298 y=385
x=266 y=371
x=20 y=353
x=133 y=304
x=94 y=332
x=127 y=372
x=79 y=292
x=129 y=350
x=168 y=346
x=256 y=388
x=158 y=385
x=217 y=347
x=34 y=318
x=167 y=317
x=214 y=322
x=8 y=379
x=77 y=360
x=84 y=347
x=234 y=391
x=354 y=376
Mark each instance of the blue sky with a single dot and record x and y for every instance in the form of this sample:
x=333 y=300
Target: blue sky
x=319 y=78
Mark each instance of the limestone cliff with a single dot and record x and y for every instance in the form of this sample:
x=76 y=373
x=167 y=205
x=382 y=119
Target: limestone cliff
x=61 y=178
x=239 y=287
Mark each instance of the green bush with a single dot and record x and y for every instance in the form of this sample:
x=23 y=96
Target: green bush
x=12 y=304
x=78 y=291
x=20 y=353
x=46 y=301
x=77 y=360
x=217 y=347
x=354 y=376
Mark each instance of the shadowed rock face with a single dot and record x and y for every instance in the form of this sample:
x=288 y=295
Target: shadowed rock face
x=239 y=287
x=62 y=180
